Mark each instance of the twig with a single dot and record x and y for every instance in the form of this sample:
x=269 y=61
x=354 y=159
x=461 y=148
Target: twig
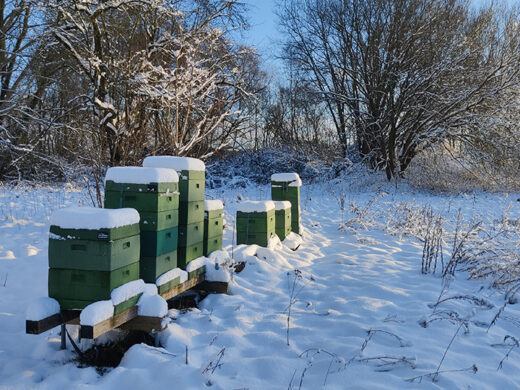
x=515 y=344
x=473 y=368
x=434 y=379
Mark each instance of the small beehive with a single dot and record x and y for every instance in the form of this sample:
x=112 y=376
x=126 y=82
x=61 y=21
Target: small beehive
x=91 y=252
x=255 y=222
x=153 y=192
x=282 y=218
x=192 y=175
x=213 y=225
x=286 y=186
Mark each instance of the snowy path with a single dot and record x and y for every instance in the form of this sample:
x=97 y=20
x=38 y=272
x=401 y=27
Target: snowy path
x=238 y=341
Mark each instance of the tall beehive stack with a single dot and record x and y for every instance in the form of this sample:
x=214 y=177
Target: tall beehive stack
x=153 y=192
x=213 y=224
x=286 y=186
x=92 y=251
x=192 y=175
x=283 y=219
x=255 y=222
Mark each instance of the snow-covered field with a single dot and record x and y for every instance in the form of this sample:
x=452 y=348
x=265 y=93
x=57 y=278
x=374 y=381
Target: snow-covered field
x=358 y=306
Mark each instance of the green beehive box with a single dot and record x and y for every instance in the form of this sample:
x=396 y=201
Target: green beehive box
x=213 y=227
x=150 y=268
x=156 y=221
x=187 y=254
x=282 y=191
x=158 y=243
x=191 y=190
x=196 y=272
x=169 y=285
x=212 y=244
x=212 y=214
x=142 y=201
x=156 y=188
x=283 y=232
x=256 y=223
x=190 y=212
x=93 y=255
x=261 y=239
x=76 y=289
x=191 y=234
x=283 y=219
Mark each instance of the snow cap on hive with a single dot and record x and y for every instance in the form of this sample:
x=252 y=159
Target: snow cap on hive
x=292 y=178
x=141 y=175
x=93 y=218
x=211 y=205
x=252 y=206
x=173 y=162
x=282 y=205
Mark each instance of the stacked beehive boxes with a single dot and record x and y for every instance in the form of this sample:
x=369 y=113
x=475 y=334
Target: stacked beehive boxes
x=153 y=192
x=191 y=173
x=91 y=252
x=286 y=186
x=255 y=222
x=283 y=219
x=213 y=224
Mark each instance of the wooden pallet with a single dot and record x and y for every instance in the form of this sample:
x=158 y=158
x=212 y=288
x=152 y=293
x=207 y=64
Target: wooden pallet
x=127 y=320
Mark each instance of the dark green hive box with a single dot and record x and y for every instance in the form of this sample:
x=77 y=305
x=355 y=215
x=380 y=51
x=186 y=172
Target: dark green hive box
x=191 y=185
x=261 y=239
x=158 y=243
x=156 y=221
x=213 y=227
x=142 y=201
x=260 y=222
x=212 y=244
x=190 y=212
x=187 y=254
x=283 y=223
x=150 y=268
x=97 y=250
x=282 y=191
x=76 y=289
x=191 y=234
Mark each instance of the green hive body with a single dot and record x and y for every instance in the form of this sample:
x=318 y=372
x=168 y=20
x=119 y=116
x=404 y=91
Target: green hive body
x=283 y=190
x=255 y=227
x=158 y=207
x=192 y=178
x=213 y=229
x=85 y=265
x=283 y=223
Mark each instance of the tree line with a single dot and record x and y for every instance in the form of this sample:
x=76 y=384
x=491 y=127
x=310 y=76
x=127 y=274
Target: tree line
x=95 y=83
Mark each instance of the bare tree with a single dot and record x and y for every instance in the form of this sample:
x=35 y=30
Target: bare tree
x=405 y=74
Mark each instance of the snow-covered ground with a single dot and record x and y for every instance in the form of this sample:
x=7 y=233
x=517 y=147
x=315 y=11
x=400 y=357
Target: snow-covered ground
x=358 y=305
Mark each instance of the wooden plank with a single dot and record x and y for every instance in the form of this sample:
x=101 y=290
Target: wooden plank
x=167 y=295
x=92 y=332
x=144 y=323
x=45 y=324
x=214 y=287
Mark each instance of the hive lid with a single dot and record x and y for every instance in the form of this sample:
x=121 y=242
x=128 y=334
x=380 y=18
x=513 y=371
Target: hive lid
x=93 y=218
x=174 y=162
x=282 y=205
x=141 y=175
x=289 y=177
x=251 y=206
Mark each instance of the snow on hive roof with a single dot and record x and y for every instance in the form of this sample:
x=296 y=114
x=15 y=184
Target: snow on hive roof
x=251 y=206
x=291 y=178
x=173 y=162
x=93 y=218
x=210 y=205
x=282 y=205
x=140 y=175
